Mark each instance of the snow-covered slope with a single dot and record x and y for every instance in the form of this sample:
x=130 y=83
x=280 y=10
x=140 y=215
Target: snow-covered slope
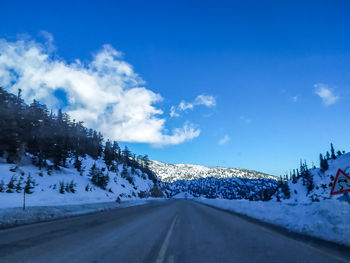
x=173 y=172
x=48 y=184
x=321 y=181
x=314 y=212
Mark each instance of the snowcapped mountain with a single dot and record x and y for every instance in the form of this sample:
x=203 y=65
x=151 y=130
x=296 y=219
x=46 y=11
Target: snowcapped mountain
x=213 y=182
x=173 y=172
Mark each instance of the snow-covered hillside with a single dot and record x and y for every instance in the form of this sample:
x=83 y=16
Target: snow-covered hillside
x=304 y=206
x=173 y=172
x=321 y=183
x=67 y=185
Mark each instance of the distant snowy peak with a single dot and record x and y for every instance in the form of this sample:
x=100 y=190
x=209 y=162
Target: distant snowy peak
x=173 y=172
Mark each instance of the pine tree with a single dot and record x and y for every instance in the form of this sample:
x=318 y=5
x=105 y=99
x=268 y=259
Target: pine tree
x=126 y=154
x=2 y=186
x=116 y=151
x=11 y=185
x=294 y=177
x=19 y=186
x=333 y=152
x=77 y=162
x=328 y=156
x=66 y=188
x=125 y=174
x=62 y=188
x=93 y=170
x=108 y=154
x=98 y=178
x=29 y=185
x=323 y=163
x=72 y=186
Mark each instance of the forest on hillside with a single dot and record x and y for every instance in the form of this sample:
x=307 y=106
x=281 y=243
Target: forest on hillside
x=50 y=138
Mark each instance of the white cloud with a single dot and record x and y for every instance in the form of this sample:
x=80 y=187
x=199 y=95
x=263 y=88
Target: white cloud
x=173 y=112
x=105 y=93
x=206 y=100
x=224 y=140
x=185 y=106
x=246 y=120
x=326 y=94
x=295 y=98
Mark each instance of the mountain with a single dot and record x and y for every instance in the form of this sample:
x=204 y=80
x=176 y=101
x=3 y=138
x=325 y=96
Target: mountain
x=224 y=188
x=173 y=172
x=214 y=182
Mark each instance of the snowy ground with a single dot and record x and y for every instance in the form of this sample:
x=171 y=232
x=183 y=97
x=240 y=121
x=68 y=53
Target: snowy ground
x=328 y=220
x=17 y=216
x=46 y=191
x=46 y=202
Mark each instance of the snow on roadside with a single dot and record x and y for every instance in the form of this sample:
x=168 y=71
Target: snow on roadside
x=328 y=220
x=16 y=216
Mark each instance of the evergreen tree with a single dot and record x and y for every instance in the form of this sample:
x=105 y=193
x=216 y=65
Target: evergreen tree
x=77 y=163
x=333 y=152
x=19 y=186
x=116 y=151
x=294 y=177
x=11 y=185
x=125 y=174
x=109 y=154
x=2 y=186
x=98 y=178
x=328 y=156
x=126 y=154
x=72 y=186
x=29 y=185
x=306 y=177
x=323 y=163
x=62 y=188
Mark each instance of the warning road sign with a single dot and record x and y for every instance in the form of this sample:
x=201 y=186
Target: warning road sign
x=341 y=183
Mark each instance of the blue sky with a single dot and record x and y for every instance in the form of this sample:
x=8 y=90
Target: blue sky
x=278 y=72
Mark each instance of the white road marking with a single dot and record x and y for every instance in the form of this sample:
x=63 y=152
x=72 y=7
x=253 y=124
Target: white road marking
x=162 y=251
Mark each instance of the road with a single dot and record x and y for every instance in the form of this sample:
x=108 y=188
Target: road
x=170 y=231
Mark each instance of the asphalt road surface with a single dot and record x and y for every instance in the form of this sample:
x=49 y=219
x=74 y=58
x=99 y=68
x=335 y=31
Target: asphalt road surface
x=170 y=231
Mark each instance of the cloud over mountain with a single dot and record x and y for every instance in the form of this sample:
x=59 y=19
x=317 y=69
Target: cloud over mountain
x=105 y=92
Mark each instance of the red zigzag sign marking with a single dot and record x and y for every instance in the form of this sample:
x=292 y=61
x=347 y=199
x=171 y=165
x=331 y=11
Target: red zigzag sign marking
x=341 y=183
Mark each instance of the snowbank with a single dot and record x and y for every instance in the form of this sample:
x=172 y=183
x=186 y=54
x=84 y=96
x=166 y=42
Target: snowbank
x=16 y=216
x=328 y=220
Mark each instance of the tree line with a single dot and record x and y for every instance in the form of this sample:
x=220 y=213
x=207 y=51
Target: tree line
x=53 y=136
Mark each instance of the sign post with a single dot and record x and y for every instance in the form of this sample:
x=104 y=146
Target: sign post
x=341 y=184
x=24 y=199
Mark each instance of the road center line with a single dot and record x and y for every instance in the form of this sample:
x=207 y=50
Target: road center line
x=162 y=251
